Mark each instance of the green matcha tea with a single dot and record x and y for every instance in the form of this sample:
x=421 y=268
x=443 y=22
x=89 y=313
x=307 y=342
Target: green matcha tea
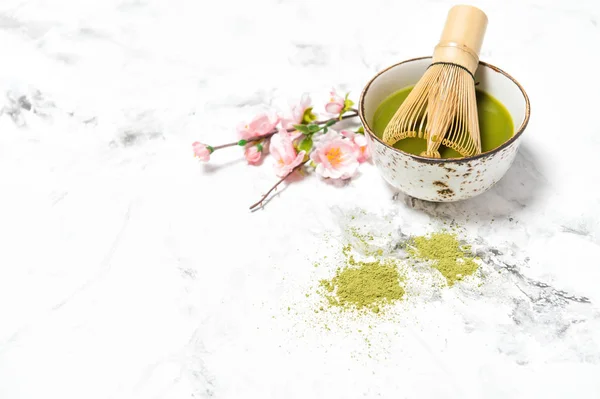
x=495 y=124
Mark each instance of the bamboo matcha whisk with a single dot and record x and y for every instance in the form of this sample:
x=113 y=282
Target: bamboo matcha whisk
x=442 y=107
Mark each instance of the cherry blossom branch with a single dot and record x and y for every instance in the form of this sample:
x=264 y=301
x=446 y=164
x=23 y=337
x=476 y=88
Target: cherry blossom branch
x=328 y=122
x=274 y=131
x=264 y=197
x=340 y=152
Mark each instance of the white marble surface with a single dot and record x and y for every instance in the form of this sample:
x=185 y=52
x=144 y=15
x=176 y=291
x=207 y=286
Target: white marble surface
x=128 y=270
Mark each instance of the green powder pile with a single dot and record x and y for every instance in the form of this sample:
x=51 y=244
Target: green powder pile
x=447 y=255
x=364 y=285
x=371 y=284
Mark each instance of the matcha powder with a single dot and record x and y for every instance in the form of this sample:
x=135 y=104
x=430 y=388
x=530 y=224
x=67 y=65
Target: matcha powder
x=364 y=285
x=377 y=281
x=446 y=254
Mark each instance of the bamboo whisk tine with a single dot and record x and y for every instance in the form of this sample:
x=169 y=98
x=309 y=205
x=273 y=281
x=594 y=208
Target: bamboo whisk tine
x=442 y=107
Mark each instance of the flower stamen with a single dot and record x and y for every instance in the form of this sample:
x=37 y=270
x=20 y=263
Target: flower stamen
x=334 y=156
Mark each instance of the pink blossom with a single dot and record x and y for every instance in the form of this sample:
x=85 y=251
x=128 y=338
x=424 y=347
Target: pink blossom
x=286 y=157
x=336 y=157
x=293 y=135
x=360 y=142
x=335 y=104
x=253 y=154
x=201 y=151
x=260 y=125
x=296 y=113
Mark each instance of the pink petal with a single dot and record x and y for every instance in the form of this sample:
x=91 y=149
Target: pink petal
x=333 y=108
x=347 y=133
x=360 y=140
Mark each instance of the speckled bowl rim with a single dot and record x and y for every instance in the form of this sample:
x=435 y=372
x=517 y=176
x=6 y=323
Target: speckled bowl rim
x=520 y=131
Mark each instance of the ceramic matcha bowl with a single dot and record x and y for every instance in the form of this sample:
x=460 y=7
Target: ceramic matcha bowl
x=443 y=180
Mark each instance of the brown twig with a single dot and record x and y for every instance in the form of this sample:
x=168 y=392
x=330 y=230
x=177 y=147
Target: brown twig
x=274 y=131
x=352 y=115
x=218 y=147
x=264 y=197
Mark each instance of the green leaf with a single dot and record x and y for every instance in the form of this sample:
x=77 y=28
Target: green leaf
x=325 y=129
x=242 y=142
x=308 y=116
x=306 y=144
x=347 y=106
x=330 y=122
x=312 y=128
x=361 y=130
x=259 y=147
x=302 y=129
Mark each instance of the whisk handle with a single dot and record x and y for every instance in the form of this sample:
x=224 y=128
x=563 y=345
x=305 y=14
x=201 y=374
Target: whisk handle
x=462 y=37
